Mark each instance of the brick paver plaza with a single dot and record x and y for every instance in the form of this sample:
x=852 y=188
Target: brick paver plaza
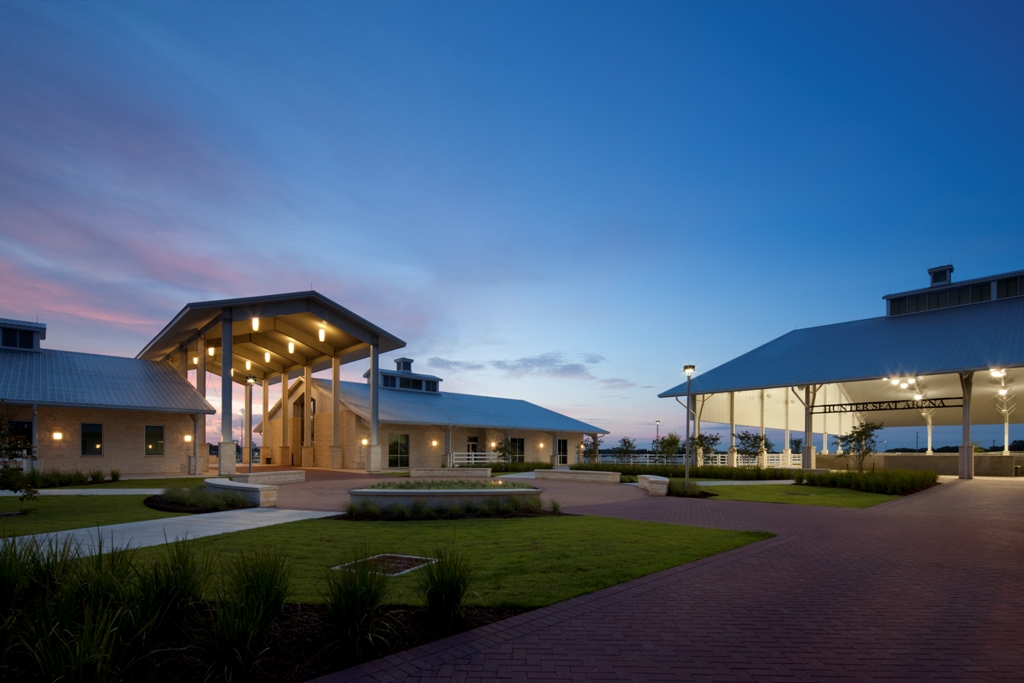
x=929 y=587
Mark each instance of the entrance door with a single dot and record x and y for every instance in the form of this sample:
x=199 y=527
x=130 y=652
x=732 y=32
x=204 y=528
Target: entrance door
x=563 y=451
x=472 y=447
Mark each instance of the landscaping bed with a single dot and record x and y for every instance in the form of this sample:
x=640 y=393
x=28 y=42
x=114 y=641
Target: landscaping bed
x=891 y=482
x=196 y=500
x=696 y=472
x=447 y=485
x=503 y=508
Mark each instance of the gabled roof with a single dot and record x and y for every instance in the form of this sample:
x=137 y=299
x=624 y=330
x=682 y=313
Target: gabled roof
x=289 y=332
x=449 y=409
x=86 y=380
x=949 y=340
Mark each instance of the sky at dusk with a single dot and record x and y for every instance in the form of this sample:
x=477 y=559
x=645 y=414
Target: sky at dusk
x=556 y=201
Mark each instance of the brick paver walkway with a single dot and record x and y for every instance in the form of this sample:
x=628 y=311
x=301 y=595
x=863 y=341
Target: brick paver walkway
x=923 y=588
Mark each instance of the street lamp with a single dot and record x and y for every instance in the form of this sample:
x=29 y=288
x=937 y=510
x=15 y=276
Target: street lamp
x=657 y=429
x=688 y=369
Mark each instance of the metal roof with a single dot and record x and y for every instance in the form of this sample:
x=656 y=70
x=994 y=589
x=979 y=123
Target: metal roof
x=85 y=380
x=456 y=410
x=949 y=340
x=295 y=318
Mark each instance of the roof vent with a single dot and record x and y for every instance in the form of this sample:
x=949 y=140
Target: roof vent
x=403 y=364
x=942 y=275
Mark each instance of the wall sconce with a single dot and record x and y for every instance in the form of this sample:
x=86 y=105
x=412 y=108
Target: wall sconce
x=542 y=445
x=493 y=444
x=188 y=438
x=255 y=324
x=58 y=436
x=433 y=443
x=366 y=442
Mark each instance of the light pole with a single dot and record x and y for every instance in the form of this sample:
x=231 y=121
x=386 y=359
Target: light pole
x=657 y=430
x=688 y=369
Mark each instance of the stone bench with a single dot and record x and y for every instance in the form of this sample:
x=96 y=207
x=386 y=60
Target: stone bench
x=450 y=472
x=653 y=484
x=285 y=477
x=578 y=475
x=258 y=495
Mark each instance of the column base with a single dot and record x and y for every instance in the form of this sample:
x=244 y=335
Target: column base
x=808 y=457
x=375 y=459
x=226 y=459
x=336 y=458
x=284 y=456
x=730 y=457
x=762 y=460
x=966 y=464
x=307 y=457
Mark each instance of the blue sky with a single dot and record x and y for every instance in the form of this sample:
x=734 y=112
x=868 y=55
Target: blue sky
x=561 y=202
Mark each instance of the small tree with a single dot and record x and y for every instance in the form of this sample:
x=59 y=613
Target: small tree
x=704 y=443
x=506 y=450
x=859 y=442
x=796 y=445
x=592 y=449
x=668 y=446
x=12 y=449
x=624 y=451
x=752 y=444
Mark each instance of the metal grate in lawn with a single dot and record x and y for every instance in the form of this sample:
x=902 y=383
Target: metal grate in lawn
x=392 y=564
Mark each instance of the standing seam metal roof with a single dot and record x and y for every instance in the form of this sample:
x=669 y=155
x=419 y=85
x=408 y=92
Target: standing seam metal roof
x=959 y=339
x=67 y=378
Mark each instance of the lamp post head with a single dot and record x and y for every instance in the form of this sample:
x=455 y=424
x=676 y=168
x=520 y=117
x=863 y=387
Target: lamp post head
x=689 y=369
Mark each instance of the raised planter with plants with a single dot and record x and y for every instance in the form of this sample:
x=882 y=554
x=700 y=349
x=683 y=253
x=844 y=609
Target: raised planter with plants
x=443 y=493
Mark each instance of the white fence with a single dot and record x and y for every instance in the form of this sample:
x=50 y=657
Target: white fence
x=472 y=458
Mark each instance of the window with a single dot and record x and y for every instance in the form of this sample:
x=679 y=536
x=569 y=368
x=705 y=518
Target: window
x=389 y=381
x=982 y=292
x=154 y=440
x=25 y=339
x=520 y=449
x=20 y=432
x=10 y=337
x=430 y=385
x=92 y=439
x=398 y=450
x=1007 y=288
x=406 y=383
x=563 y=446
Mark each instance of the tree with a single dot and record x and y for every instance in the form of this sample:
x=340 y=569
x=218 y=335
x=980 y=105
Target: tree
x=506 y=450
x=796 y=445
x=624 y=451
x=1017 y=446
x=12 y=449
x=668 y=446
x=752 y=444
x=704 y=443
x=859 y=442
x=592 y=449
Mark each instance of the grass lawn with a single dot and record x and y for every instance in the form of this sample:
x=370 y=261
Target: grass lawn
x=57 y=513
x=157 y=483
x=799 y=495
x=519 y=562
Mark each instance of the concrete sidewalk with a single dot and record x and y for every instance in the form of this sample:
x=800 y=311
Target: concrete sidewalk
x=90 y=492
x=157 y=531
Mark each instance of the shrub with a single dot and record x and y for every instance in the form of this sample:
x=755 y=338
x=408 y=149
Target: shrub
x=445 y=583
x=206 y=501
x=451 y=511
x=892 y=482
x=96 y=477
x=448 y=485
x=353 y=596
x=398 y=513
x=421 y=510
x=556 y=507
x=677 y=487
x=115 y=475
x=52 y=478
x=362 y=510
x=172 y=589
x=703 y=472
x=247 y=604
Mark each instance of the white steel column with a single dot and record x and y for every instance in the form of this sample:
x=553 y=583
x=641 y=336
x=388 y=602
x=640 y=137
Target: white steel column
x=448 y=446
x=307 y=417
x=247 y=426
x=839 y=432
x=199 y=438
x=266 y=421
x=966 y=468
x=929 y=419
x=731 y=457
x=336 y=459
x=286 y=419
x=375 y=451
x=787 y=447
x=762 y=459
x=807 y=460
x=33 y=452
x=824 y=422
x=226 y=459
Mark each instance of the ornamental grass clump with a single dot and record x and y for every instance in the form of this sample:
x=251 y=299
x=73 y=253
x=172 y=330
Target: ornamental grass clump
x=445 y=584
x=198 y=498
x=96 y=477
x=52 y=478
x=246 y=605
x=115 y=475
x=891 y=482
x=353 y=597
x=173 y=588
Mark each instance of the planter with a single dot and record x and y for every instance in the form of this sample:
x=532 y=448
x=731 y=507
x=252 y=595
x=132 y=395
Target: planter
x=439 y=498
x=578 y=475
x=450 y=472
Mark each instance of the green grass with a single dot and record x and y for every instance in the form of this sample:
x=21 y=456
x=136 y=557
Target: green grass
x=518 y=562
x=158 y=483
x=799 y=495
x=57 y=513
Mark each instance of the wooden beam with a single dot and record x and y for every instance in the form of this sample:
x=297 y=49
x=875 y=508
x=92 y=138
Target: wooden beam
x=266 y=343
x=257 y=357
x=304 y=338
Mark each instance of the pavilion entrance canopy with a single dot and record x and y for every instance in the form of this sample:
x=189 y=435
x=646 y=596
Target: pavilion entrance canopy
x=270 y=335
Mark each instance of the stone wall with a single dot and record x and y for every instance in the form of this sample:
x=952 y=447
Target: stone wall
x=124 y=440
x=985 y=464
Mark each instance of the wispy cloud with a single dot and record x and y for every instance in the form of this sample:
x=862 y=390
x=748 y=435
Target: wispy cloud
x=455 y=365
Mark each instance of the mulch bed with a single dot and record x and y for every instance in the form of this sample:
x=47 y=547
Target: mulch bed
x=299 y=649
